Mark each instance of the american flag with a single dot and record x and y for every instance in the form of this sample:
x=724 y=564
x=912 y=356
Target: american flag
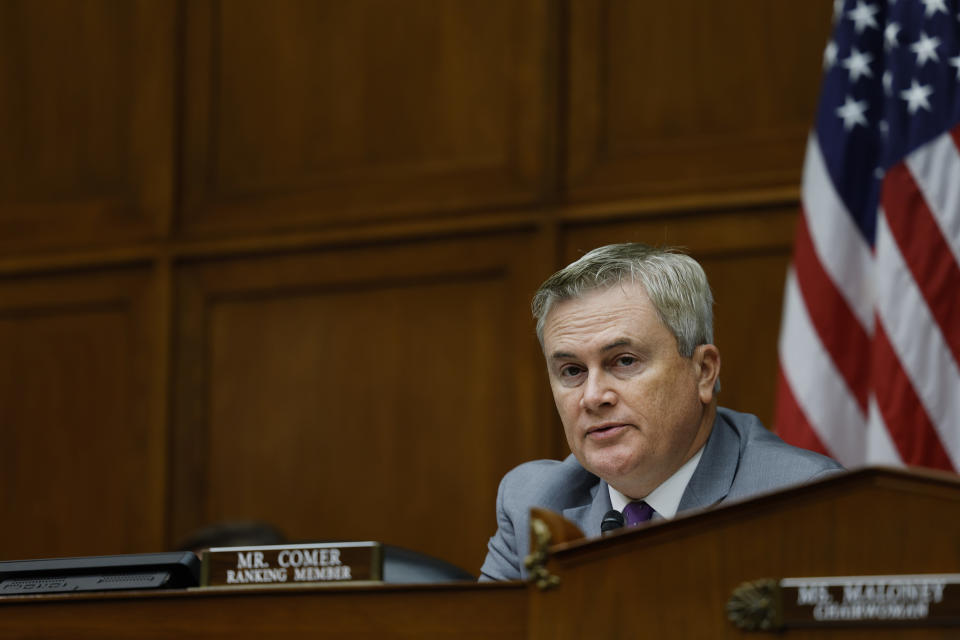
x=870 y=340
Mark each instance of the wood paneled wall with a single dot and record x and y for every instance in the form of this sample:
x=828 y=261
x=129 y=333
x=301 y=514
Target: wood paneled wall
x=272 y=260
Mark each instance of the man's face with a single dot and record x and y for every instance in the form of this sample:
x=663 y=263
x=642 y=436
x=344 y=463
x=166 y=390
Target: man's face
x=633 y=409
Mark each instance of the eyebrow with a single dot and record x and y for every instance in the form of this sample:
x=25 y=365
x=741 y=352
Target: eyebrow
x=620 y=342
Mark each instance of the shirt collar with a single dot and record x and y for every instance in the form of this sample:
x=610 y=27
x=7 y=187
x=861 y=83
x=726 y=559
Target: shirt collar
x=665 y=499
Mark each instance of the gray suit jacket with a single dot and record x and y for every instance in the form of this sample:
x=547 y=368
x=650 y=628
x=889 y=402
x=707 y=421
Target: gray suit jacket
x=741 y=459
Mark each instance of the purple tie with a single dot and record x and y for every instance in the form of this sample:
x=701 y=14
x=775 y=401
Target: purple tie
x=637 y=512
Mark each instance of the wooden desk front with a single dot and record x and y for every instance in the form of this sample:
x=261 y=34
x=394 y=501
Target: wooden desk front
x=461 y=610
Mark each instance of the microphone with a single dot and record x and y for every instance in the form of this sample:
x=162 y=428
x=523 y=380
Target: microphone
x=612 y=520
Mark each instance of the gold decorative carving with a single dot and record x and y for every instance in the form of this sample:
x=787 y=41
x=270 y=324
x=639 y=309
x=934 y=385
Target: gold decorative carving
x=755 y=606
x=537 y=560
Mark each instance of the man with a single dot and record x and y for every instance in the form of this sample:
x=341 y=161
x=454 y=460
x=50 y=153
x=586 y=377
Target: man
x=627 y=334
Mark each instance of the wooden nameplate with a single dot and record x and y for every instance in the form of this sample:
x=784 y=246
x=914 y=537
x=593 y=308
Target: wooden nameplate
x=292 y=564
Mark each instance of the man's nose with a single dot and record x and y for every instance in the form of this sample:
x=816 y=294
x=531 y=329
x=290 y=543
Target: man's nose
x=598 y=392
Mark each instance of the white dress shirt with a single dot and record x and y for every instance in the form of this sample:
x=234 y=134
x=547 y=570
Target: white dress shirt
x=665 y=499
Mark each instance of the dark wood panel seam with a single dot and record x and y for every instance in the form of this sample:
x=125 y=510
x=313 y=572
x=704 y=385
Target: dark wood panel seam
x=375 y=284
x=626 y=209
x=397 y=233
x=61 y=309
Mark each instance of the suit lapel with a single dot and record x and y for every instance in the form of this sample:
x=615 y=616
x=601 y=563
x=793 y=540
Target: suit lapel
x=714 y=475
x=709 y=484
x=588 y=516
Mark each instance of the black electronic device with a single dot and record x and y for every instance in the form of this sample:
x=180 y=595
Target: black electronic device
x=169 y=570
x=612 y=520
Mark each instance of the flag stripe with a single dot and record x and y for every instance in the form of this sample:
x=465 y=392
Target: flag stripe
x=839 y=246
x=880 y=446
x=791 y=421
x=902 y=411
x=818 y=389
x=925 y=252
x=955 y=135
x=936 y=168
x=840 y=333
x=919 y=345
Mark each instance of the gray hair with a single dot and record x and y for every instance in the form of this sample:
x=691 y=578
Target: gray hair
x=675 y=283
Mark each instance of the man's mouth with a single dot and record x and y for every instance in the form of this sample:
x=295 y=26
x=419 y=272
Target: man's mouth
x=607 y=430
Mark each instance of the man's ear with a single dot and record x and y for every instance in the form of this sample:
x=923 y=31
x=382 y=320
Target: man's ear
x=706 y=359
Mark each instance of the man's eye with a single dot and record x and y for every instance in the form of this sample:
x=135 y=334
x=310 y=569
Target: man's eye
x=571 y=371
x=626 y=361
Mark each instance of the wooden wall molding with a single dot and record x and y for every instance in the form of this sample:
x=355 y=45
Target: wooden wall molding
x=87 y=115
x=360 y=393
x=82 y=468
x=674 y=99
x=362 y=111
